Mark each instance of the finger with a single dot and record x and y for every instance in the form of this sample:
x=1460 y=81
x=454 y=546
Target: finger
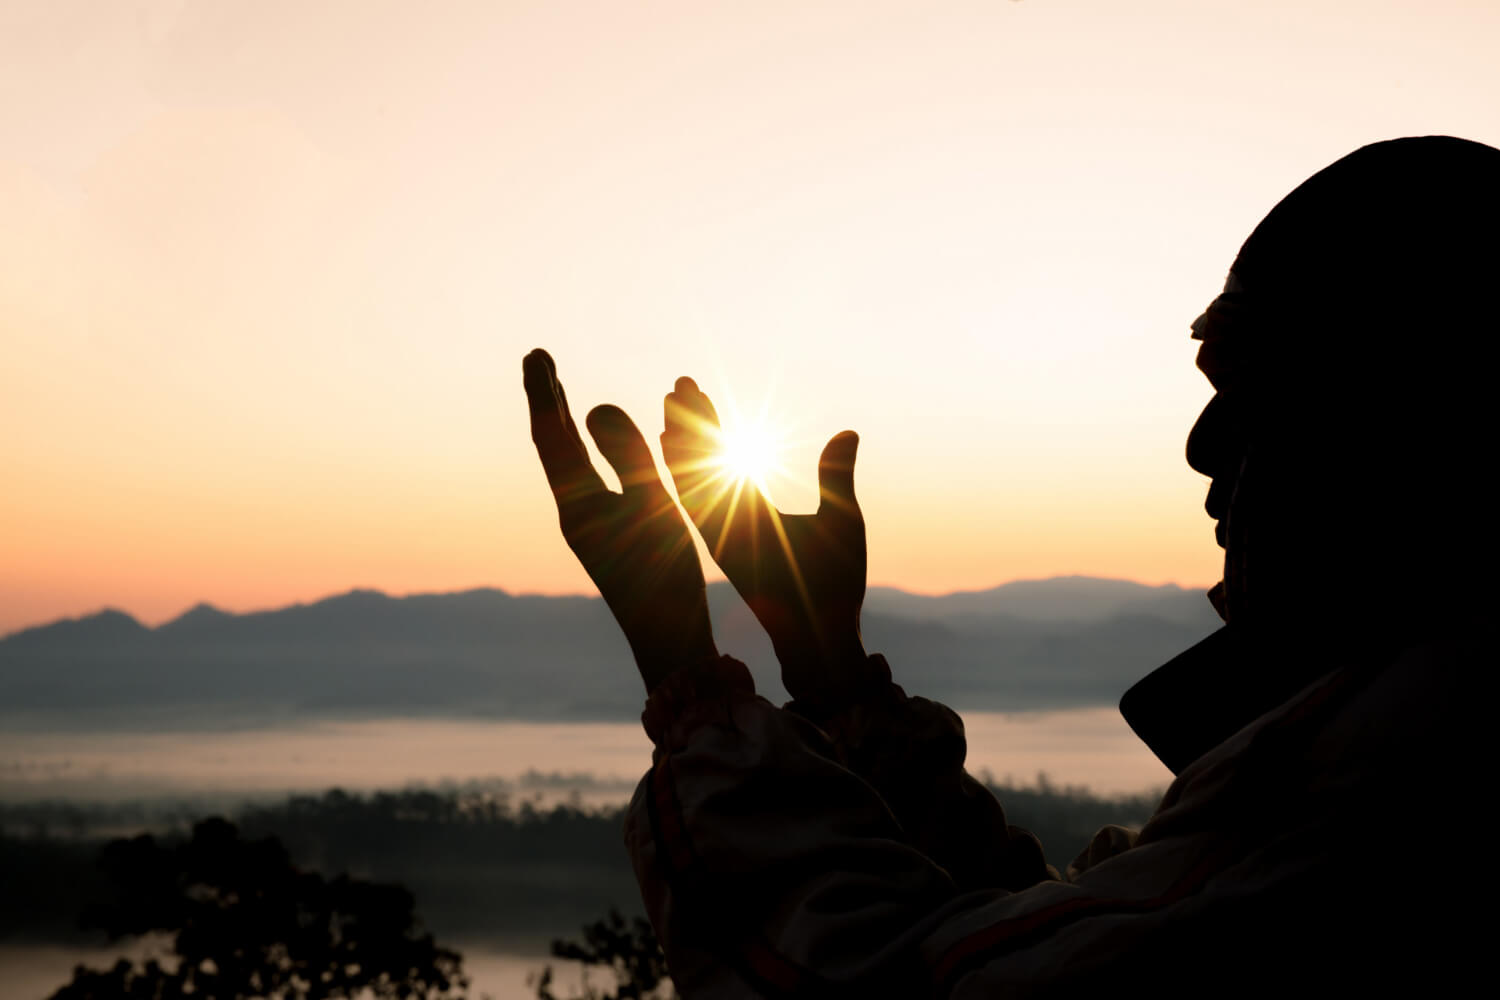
x=836 y=474
x=690 y=440
x=622 y=445
x=690 y=418
x=565 y=460
x=698 y=400
x=715 y=502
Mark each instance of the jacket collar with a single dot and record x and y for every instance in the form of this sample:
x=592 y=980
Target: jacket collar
x=1204 y=695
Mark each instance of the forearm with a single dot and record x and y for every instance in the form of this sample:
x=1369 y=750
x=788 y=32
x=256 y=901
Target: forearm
x=912 y=751
x=761 y=858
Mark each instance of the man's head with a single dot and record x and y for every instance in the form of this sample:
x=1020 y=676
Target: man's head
x=1353 y=357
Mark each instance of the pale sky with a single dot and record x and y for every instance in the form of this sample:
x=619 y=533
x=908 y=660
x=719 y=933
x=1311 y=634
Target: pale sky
x=268 y=270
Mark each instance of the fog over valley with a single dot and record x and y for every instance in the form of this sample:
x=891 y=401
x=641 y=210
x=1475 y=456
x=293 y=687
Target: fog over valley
x=478 y=746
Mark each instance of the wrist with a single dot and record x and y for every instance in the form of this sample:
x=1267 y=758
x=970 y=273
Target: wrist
x=689 y=698
x=822 y=688
x=660 y=660
x=832 y=656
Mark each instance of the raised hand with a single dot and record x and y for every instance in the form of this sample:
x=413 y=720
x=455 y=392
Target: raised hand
x=803 y=575
x=634 y=544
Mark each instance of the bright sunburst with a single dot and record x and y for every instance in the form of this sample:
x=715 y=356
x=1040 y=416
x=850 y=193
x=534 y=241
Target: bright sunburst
x=743 y=452
x=748 y=451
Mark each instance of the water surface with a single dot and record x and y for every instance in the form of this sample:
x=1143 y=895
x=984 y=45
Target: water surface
x=1090 y=747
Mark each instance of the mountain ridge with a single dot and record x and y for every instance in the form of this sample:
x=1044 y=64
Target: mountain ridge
x=880 y=598
x=486 y=653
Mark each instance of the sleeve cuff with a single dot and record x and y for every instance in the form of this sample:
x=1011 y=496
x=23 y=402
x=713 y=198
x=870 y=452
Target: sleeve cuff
x=871 y=687
x=690 y=697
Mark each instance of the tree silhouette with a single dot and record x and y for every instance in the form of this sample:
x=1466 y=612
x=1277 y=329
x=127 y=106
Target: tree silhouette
x=628 y=949
x=249 y=924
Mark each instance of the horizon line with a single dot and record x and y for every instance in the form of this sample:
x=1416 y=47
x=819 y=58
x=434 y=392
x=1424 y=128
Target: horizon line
x=356 y=588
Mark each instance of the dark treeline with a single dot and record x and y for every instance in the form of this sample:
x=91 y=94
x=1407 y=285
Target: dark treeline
x=484 y=871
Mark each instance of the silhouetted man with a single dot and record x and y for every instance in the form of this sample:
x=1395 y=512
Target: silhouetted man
x=1326 y=742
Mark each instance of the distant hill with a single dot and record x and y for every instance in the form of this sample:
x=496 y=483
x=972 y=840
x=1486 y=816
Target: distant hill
x=1057 y=600
x=1065 y=642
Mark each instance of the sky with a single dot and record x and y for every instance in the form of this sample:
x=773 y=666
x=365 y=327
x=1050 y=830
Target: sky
x=267 y=271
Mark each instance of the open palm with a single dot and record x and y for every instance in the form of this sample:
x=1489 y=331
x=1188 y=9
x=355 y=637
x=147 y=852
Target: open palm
x=633 y=544
x=803 y=575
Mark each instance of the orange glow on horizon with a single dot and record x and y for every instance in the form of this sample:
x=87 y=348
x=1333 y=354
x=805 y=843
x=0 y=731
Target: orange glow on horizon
x=267 y=272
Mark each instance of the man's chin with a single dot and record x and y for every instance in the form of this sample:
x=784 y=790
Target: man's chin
x=1218 y=597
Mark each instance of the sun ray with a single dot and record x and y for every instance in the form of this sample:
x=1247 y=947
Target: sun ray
x=738 y=489
x=791 y=559
x=745 y=459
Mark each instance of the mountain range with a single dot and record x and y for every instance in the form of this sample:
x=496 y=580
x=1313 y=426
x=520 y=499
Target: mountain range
x=1042 y=644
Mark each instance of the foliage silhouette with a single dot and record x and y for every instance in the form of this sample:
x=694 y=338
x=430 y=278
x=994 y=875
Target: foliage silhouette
x=516 y=876
x=247 y=923
x=628 y=949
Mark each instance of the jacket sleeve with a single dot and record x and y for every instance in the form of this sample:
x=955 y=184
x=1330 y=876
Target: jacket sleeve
x=767 y=866
x=770 y=869
x=911 y=751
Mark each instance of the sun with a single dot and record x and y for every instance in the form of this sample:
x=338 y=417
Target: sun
x=748 y=451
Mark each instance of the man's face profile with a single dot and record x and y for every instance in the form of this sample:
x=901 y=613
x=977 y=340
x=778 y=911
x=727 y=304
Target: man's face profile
x=1217 y=444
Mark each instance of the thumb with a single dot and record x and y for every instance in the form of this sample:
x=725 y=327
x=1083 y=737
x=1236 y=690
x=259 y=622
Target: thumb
x=836 y=474
x=621 y=444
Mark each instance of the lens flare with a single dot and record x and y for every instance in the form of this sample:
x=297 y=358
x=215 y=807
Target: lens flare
x=748 y=452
